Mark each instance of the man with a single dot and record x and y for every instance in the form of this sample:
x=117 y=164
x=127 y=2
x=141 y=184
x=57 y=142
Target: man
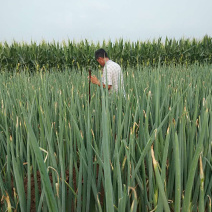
x=112 y=75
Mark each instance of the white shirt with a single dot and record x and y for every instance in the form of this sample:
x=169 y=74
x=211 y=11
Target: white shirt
x=112 y=75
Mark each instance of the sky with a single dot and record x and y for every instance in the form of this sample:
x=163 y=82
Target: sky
x=98 y=20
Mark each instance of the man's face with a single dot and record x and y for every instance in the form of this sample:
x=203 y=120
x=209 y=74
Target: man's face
x=101 y=61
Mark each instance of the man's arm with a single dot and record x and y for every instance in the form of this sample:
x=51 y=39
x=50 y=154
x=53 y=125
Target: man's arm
x=95 y=80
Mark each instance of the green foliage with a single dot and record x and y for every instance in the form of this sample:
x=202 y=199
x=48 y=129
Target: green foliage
x=128 y=54
x=61 y=153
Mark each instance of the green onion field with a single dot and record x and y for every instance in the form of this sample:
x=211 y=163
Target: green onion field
x=148 y=151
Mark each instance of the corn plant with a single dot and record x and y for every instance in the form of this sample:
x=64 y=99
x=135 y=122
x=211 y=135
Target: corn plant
x=76 y=55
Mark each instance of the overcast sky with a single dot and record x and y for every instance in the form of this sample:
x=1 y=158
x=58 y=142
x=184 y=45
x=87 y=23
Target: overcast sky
x=96 y=20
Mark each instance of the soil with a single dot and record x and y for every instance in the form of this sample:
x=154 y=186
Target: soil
x=38 y=176
x=33 y=200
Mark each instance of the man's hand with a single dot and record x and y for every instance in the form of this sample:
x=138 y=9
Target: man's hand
x=95 y=80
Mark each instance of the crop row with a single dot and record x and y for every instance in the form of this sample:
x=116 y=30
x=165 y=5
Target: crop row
x=149 y=151
x=76 y=55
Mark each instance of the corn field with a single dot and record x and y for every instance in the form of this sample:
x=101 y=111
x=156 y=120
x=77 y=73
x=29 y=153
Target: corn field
x=148 y=151
x=73 y=55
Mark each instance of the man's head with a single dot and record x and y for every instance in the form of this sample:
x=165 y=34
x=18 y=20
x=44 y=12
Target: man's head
x=101 y=56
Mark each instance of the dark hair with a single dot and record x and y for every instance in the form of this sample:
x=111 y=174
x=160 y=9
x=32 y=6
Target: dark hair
x=100 y=53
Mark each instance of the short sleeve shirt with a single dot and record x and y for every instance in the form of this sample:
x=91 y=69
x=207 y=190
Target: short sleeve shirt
x=112 y=75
